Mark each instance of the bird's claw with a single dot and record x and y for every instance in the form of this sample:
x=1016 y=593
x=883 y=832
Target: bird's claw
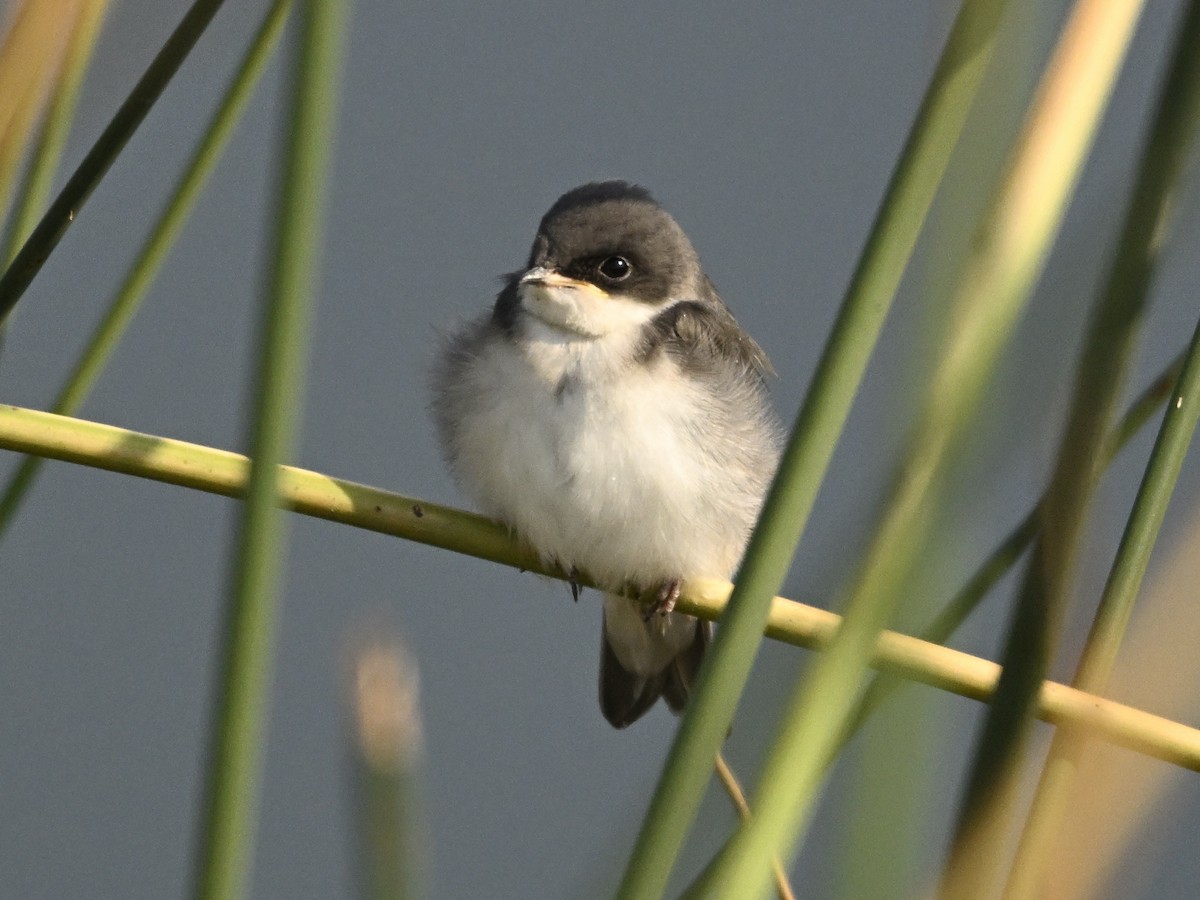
x=573 y=581
x=664 y=601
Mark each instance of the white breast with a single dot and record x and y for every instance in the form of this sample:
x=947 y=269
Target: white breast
x=597 y=460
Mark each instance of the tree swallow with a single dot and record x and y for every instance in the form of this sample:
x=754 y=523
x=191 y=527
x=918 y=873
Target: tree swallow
x=613 y=413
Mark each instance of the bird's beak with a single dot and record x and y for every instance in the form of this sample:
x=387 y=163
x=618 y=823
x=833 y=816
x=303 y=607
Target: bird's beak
x=543 y=277
x=571 y=304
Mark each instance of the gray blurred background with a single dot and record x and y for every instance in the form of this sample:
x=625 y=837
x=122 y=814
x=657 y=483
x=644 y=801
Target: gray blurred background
x=769 y=131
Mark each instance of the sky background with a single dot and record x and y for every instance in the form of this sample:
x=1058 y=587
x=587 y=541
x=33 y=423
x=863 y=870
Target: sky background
x=769 y=133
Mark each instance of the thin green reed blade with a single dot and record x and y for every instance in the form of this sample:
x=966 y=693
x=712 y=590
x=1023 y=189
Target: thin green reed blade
x=235 y=756
x=893 y=235
x=1147 y=225
x=37 y=249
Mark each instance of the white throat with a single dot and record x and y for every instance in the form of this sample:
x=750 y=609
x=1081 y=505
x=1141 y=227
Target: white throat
x=581 y=332
x=584 y=309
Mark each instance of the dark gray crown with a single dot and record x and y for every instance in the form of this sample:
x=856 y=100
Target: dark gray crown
x=597 y=192
x=615 y=218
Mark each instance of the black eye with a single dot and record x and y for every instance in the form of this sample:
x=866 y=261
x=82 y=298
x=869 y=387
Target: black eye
x=615 y=268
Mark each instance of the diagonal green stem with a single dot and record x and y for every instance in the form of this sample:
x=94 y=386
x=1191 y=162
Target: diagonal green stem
x=126 y=301
x=993 y=781
x=1168 y=149
x=1116 y=606
x=1009 y=550
x=1141 y=531
x=239 y=715
x=935 y=132
x=63 y=211
x=990 y=571
x=1009 y=250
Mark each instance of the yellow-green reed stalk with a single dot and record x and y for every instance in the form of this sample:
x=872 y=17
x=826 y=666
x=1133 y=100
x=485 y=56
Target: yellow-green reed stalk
x=312 y=494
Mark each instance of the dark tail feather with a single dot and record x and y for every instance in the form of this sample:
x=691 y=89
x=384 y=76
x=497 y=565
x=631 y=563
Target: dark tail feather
x=681 y=674
x=625 y=696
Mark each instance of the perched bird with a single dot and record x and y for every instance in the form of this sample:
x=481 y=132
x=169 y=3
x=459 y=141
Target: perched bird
x=613 y=413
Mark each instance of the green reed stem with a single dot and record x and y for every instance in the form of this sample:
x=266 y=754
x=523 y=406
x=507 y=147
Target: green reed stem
x=893 y=235
x=239 y=717
x=1168 y=150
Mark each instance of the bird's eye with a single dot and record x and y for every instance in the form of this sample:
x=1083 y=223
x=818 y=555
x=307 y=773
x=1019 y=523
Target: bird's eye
x=615 y=268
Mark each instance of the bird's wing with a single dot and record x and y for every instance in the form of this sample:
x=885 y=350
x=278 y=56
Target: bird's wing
x=705 y=337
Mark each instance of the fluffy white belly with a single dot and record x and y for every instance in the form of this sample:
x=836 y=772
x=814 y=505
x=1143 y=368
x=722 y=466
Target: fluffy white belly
x=608 y=474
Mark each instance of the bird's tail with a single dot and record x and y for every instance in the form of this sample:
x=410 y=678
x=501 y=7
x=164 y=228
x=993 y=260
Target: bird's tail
x=642 y=660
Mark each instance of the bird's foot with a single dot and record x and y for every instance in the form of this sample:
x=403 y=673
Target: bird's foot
x=576 y=585
x=664 y=600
